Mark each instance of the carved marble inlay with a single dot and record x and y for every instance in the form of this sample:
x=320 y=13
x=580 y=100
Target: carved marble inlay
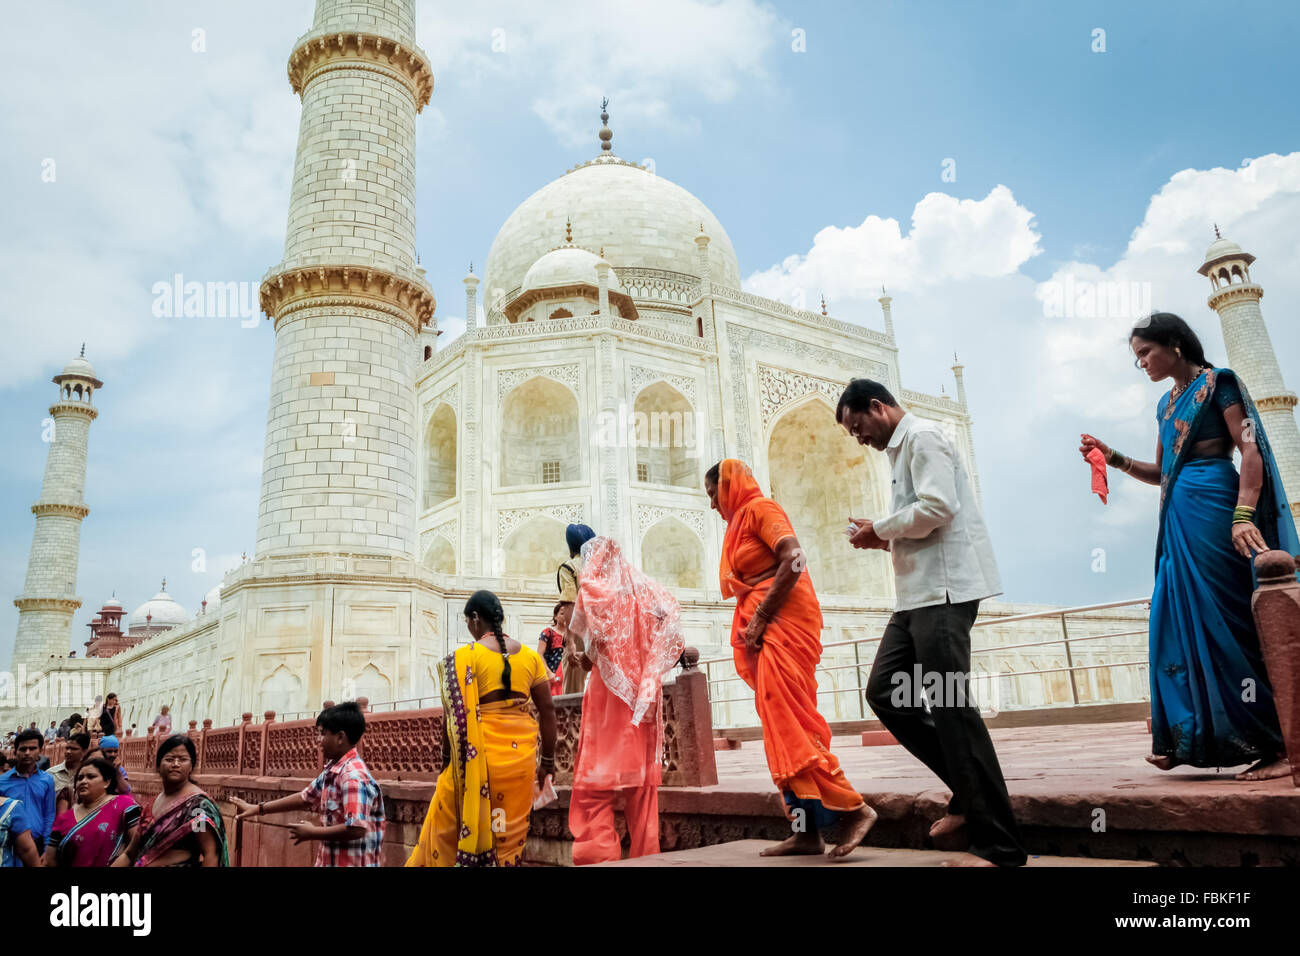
x=639 y=377
x=509 y=519
x=508 y=379
x=647 y=516
x=777 y=388
x=449 y=395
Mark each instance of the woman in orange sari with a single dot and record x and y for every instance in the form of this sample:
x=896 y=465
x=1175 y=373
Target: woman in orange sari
x=776 y=640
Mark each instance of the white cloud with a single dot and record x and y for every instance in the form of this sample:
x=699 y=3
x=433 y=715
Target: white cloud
x=950 y=239
x=1037 y=377
x=648 y=59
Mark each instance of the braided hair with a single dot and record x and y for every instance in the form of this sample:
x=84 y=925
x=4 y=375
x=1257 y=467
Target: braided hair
x=488 y=607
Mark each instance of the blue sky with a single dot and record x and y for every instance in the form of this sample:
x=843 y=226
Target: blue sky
x=1111 y=166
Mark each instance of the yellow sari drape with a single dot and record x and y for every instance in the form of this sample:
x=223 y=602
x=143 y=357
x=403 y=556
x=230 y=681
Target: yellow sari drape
x=480 y=809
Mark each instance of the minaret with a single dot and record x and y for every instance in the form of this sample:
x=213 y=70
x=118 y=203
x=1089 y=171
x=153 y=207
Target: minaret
x=49 y=597
x=1250 y=354
x=471 y=299
x=349 y=301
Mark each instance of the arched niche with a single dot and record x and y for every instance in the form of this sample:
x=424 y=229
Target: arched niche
x=821 y=477
x=281 y=691
x=667 y=447
x=372 y=685
x=535 y=549
x=440 y=456
x=539 y=434
x=673 y=555
x=440 y=556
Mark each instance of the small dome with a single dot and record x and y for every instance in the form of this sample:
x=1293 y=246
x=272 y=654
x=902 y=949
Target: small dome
x=159 y=611
x=79 y=366
x=566 y=266
x=213 y=597
x=112 y=602
x=1222 y=247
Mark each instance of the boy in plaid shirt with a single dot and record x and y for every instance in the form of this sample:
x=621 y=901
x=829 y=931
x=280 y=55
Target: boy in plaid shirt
x=350 y=802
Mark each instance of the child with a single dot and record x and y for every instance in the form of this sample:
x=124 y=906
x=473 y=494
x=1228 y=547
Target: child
x=346 y=795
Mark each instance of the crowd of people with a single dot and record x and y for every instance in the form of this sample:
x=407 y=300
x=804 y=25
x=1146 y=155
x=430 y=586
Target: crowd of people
x=615 y=633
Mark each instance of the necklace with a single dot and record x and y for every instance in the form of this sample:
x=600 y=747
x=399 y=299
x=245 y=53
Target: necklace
x=1179 y=389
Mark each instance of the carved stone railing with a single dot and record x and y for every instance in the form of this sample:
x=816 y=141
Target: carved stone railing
x=407 y=744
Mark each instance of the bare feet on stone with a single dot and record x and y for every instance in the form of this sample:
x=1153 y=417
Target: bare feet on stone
x=801 y=844
x=1162 y=762
x=1267 y=769
x=967 y=859
x=948 y=823
x=855 y=827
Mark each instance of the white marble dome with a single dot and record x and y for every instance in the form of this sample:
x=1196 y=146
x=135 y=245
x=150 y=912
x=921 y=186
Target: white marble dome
x=1220 y=248
x=80 y=368
x=165 y=612
x=213 y=597
x=639 y=220
x=563 y=267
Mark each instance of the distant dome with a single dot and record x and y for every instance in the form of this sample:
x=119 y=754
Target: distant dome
x=640 y=219
x=565 y=266
x=213 y=597
x=159 y=611
x=112 y=602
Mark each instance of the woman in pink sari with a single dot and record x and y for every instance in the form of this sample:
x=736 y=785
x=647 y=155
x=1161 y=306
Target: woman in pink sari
x=631 y=627
x=95 y=829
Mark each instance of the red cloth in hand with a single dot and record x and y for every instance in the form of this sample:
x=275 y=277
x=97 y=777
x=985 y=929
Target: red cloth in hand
x=1098 y=462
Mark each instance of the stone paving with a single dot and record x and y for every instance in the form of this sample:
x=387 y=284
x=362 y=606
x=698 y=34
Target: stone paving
x=1058 y=776
x=745 y=853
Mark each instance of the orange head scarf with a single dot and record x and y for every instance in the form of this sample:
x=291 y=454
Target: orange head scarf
x=737 y=490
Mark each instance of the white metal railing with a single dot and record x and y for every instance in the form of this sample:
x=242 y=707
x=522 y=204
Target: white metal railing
x=987 y=685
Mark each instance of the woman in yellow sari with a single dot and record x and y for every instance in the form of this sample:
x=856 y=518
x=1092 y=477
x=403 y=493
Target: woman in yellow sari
x=480 y=809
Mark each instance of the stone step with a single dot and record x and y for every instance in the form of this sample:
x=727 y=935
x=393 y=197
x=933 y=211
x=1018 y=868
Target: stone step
x=745 y=853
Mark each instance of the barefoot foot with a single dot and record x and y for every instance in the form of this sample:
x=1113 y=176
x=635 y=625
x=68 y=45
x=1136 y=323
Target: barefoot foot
x=801 y=844
x=967 y=859
x=948 y=823
x=856 y=827
x=1267 y=769
x=1162 y=762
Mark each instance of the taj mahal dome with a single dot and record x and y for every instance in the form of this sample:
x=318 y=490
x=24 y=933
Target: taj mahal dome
x=616 y=357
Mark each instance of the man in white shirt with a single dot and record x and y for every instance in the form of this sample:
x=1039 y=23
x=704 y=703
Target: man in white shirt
x=943 y=568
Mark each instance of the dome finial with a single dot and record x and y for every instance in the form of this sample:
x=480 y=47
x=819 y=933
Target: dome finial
x=606 y=134
x=1216 y=231
x=164 y=584
x=823 y=303
x=83 y=350
x=471 y=267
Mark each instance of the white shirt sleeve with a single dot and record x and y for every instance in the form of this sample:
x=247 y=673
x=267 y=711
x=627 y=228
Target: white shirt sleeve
x=934 y=481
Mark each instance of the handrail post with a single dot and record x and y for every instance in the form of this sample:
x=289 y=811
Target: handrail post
x=1275 y=605
x=857 y=672
x=1069 y=662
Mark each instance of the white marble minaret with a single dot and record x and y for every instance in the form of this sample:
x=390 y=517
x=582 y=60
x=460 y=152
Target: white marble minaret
x=348 y=301
x=1235 y=297
x=49 y=597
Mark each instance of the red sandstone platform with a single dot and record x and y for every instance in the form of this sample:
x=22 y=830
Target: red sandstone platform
x=1077 y=789
x=744 y=853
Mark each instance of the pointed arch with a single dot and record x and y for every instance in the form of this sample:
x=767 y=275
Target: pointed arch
x=673 y=554
x=667 y=446
x=821 y=477
x=440 y=556
x=440 y=459
x=539 y=434
x=281 y=691
x=535 y=549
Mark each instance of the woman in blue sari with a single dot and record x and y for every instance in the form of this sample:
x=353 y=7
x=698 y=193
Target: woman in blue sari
x=1211 y=701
